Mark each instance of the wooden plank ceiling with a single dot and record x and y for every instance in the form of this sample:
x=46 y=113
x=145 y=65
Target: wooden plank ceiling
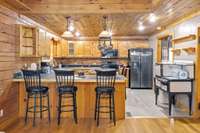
x=123 y=15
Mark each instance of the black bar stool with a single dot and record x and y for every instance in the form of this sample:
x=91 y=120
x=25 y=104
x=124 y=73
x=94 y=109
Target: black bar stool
x=105 y=89
x=66 y=89
x=36 y=91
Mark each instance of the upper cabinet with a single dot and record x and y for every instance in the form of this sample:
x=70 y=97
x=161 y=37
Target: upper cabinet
x=45 y=44
x=33 y=42
x=28 y=41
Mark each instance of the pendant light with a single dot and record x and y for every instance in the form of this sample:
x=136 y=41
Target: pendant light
x=67 y=33
x=105 y=38
x=105 y=32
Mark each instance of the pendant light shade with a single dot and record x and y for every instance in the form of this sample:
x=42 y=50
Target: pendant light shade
x=105 y=32
x=67 y=33
x=105 y=38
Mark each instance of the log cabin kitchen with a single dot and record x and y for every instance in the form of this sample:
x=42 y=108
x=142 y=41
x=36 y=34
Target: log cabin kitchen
x=99 y=66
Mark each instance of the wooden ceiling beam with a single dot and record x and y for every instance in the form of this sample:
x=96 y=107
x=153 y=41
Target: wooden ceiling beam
x=87 y=8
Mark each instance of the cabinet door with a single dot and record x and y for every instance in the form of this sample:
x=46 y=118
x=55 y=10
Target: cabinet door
x=44 y=44
x=64 y=47
x=78 y=48
x=123 y=48
x=95 y=51
x=49 y=46
x=87 y=49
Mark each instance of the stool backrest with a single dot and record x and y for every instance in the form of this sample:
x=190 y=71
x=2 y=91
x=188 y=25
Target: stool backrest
x=32 y=79
x=64 y=78
x=105 y=78
x=123 y=69
x=126 y=71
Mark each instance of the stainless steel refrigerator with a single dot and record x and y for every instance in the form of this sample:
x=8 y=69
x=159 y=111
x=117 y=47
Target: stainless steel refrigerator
x=141 y=68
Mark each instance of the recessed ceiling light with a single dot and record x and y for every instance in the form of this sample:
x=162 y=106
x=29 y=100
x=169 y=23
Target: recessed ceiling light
x=152 y=18
x=158 y=28
x=77 y=34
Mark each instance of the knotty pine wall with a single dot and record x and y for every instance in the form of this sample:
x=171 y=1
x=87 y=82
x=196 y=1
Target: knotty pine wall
x=9 y=63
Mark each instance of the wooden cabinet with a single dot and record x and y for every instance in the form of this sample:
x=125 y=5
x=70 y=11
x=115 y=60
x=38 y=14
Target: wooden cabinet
x=95 y=50
x=59 y=48
x=90 y=48
x=85 y=49
x=28 y=41
x=37 y=43
x=64 y=46
x=45 y=44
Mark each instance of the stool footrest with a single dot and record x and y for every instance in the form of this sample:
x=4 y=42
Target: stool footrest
x=44 y=108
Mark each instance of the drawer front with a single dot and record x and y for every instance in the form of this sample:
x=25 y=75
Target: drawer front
x=180 y=87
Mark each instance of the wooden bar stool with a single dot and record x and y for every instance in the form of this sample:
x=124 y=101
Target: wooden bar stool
x=36 y=91
x=66 y=90
x=105 y=89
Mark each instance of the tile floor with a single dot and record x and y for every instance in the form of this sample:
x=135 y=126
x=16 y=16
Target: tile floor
x=140 y=103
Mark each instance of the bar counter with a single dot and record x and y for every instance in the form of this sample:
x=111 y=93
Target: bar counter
x=85 y=96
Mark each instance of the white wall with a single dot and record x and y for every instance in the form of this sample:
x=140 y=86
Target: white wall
x=182 y=29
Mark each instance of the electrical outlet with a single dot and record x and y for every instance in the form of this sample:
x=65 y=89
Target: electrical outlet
x=1 y=113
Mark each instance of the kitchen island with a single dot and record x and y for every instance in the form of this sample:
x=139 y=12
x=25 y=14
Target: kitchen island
x=85 y=96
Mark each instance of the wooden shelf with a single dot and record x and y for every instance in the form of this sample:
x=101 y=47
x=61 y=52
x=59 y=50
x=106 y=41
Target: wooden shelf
x=176 y=52
x=28 y=40
x=189 y=50
x=184 y=39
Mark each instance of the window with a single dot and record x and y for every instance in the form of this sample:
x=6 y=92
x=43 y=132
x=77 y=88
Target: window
x=71 y=49
x=166 y=45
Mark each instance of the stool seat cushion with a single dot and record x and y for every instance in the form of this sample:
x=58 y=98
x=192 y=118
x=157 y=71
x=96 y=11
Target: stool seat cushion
x=67 y=89
x=41 y=89
x=104 y=89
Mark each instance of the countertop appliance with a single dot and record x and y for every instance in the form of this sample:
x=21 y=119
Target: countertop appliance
x=141 y=68
x=45 y=66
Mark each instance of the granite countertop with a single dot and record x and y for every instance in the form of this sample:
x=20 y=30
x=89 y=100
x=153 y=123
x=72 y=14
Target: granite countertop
x=87 y=78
